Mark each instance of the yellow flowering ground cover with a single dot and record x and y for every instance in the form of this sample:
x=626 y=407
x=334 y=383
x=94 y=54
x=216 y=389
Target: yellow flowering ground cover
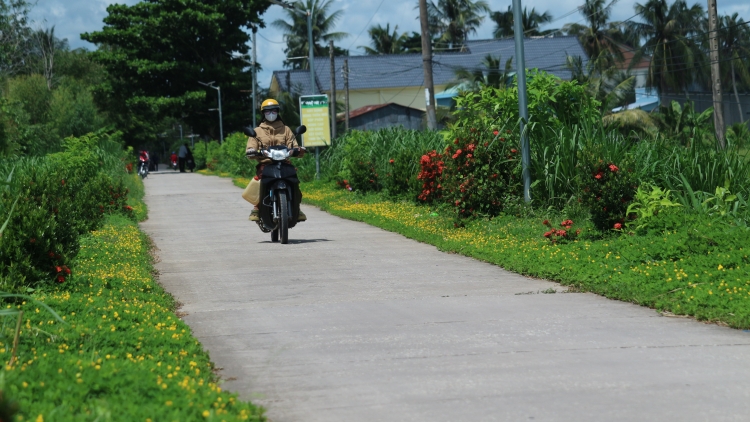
x=120 y=353
x=701 y=271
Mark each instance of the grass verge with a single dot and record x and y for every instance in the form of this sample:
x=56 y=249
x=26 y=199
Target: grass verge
x=700 y=271
x=119 y=351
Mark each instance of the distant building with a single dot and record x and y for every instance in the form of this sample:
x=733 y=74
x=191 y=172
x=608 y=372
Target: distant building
x=381 y=116
x=399 y=78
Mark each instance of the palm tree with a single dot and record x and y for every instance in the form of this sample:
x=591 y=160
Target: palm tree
x=734 y=46
x=384 y=41
x=667 y=31
x=295 y=33
x=598 y=35
x=490 y=74
x=454 y=20
x=530 y=20
x=610 y=86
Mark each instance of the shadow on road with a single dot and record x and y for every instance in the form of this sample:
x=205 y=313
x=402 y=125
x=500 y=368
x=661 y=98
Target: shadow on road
x=299 y=241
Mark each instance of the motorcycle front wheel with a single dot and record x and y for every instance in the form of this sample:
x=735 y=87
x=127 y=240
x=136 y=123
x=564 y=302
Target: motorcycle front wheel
x=283 y=218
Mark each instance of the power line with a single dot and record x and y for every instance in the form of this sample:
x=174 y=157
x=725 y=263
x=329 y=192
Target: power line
x=365 y=27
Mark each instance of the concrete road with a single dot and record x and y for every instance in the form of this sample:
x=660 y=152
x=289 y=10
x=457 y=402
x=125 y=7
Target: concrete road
x=352 y=323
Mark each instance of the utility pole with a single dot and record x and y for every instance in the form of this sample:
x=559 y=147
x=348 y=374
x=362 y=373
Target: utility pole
x=429 y=89
x=346 y=95
x=221 y=125
x=310 y=53
x=255 y=78
x=333 y=92
x=523 y=110
x=713 y=43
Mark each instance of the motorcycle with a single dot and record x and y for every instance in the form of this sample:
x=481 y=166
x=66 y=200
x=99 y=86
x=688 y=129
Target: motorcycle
x=173 y=164
x=279 y=189
x=142 y=168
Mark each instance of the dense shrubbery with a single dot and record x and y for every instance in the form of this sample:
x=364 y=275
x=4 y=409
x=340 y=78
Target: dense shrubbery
x=54 y=200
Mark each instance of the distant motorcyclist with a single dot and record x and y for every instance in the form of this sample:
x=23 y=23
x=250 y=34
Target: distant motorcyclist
x=272 y=131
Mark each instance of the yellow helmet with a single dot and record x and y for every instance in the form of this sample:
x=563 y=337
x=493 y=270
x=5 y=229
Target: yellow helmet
x=269 y=104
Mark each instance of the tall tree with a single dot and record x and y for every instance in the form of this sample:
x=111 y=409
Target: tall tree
x=734 y=49
x=384 y=41
x=455 y=20
x=14 y=35
x=668 y=32
x=598 y=35
x=295 y=31
x=531 y=21
x=156 y=52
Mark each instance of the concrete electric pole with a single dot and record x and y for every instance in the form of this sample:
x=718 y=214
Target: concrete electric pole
x=429 y=93
x=713 y=44
x=333 y=92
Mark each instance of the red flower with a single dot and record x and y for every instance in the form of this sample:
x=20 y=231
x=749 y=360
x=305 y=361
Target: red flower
x=613 y=168
x=486 y=144
x=58 y=269
x=456 y=141
x=62 y=182
x=458 y=201
x=598 y=176
x=128 y=208
x=502 y=139
x=545 y=222
x=471 y=147
x=66 y=269
x=495 y=132
x=618 y=226
x=60 y=279
x=548 y=234
x=391 y=161
x=513 y=151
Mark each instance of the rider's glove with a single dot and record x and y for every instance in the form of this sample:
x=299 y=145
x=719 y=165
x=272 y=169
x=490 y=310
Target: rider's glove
x=299 y=152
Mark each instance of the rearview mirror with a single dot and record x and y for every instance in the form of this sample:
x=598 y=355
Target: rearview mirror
x=249 y=131
x=300 y=130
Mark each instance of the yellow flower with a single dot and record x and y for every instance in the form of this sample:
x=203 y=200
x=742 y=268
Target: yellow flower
x=206 y=413
x=40 y=418
x=721 y=267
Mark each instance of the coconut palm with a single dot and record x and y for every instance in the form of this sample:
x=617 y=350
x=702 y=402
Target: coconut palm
x=734 y=46
x=384 y=41
x=667 y=31
x=490 y=74
x=531 y=22
x=598 y=35
x=455 y=20
x=610 y=86
x=295 y=31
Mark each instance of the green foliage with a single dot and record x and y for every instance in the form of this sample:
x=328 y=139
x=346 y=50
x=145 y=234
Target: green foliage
x=607 y=189
x=155 y=53
x=482 y=171
x=206 y=155
x=60 y=198
x=120 y=349
x=649 y=201
x=684 y=125
x=363 y=158
x=73 y=112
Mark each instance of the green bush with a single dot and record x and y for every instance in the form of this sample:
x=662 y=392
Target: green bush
x=482 y=171
x=59 y=198
x=607 y=188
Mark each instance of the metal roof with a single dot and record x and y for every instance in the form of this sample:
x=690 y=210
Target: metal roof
x=405 y=70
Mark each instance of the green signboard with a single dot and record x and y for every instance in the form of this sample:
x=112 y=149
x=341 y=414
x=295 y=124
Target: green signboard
x=314 y=114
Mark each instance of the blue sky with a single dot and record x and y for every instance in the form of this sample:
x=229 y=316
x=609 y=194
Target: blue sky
x=72 y=17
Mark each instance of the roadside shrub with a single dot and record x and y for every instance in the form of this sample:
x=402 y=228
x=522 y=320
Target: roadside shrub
x=607 y=189
x=54 y=200
x=206 y=155
x=231 y=157
x=482 y=171
x=431 y=172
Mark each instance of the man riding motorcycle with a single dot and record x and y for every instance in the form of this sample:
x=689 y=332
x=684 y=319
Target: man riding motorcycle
x=272 y=131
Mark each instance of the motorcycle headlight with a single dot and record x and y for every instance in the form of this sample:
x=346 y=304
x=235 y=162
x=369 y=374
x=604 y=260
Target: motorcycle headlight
x=278 y=154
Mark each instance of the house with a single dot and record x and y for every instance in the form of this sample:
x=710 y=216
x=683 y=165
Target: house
x=374 y=117
x=399 y=78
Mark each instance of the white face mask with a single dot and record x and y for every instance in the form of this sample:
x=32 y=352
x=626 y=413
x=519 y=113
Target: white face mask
x=271 y=116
